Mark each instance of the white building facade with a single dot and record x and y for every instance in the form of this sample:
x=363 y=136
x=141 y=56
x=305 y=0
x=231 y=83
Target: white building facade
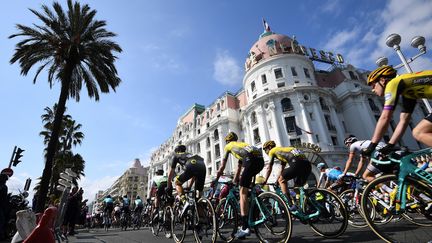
x=285 y=99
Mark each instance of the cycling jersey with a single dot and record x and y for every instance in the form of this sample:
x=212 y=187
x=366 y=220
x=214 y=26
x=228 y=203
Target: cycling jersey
x=108 y=201
x=241 y=150
x=333 y=174
x=410 y=86
x=159 y=179
x=193 y=166
x=139 y=203
x=286 y=154
x=126 y=202
x=362 y=144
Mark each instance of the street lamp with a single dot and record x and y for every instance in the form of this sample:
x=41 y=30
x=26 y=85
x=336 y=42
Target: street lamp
x=393 y=41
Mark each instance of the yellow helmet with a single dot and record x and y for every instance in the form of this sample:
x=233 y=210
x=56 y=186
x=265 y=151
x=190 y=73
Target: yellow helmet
x=385 y=70
x=269 y=144
x=231 y=136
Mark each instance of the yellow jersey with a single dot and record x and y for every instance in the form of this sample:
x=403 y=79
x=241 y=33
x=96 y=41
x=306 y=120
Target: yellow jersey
x=284 y=154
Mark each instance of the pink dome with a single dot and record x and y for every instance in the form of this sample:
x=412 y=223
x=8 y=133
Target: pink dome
x=268 y=45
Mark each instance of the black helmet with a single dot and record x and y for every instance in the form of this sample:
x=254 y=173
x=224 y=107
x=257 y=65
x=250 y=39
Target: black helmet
x=125 y=196
x=159 y=172
x=350 y=139
x=138 y=197
x=231 y=136
x=180 y=148
x=109 y=196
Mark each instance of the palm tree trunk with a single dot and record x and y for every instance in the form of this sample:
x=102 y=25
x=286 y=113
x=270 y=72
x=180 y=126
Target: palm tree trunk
x=52 y=144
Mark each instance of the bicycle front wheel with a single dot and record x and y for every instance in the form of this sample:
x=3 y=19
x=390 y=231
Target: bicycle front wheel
x=205 y=229
x=332 y=218
x=355 y=215
x=166 y=221
x=272 y=217
x=227 y=219
x=400 y=230
x=178 y=225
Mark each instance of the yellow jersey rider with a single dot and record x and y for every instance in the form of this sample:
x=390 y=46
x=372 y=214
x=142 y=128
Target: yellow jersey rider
x=251 y=159
x=410 y=86
x=299 y=166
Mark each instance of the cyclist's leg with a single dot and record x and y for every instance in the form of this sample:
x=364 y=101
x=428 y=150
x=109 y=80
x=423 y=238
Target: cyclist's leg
x=287 y=174
x=370 y=172
x=423 y=131
x=180 y=179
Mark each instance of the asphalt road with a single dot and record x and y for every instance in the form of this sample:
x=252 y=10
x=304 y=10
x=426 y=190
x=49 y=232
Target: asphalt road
x=301 y=233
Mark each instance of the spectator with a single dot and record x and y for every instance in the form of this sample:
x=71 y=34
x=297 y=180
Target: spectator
x=3 y=204
x=72 y=210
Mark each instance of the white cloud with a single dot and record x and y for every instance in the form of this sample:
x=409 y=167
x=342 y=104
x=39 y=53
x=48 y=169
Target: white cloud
x=91 y=187
x=226 y=69
x=332 y=6
x=341 y=38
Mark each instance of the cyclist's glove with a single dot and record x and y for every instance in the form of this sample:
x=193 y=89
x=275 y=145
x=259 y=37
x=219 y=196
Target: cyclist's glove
x=386 y=149
x=366 y=152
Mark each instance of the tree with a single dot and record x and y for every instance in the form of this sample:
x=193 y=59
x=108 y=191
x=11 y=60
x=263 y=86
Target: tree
x=77 y=51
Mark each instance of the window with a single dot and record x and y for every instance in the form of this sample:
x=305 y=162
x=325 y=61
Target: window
x=293 y=71
x=199 y=131
x=372 y=105
x=208 y=142
x=217 y=150
x=280 y=85
x=253 y=89
x=278 y=73
x=209 y=156
x=329 y=123
x=209 y=171
x=208 y=124
x=263 y=79
x=286 y=105
x=317 y=138
x=311 y=116
x=216 y=135
x=198 y=148
x=334 y=140
x=218 y=107
x=323 y=104
x=217 y=164
x=253 y=118
x=290 y=124
x=352 y=75
x=256 y=136
x=295 y=141
x=306 y=72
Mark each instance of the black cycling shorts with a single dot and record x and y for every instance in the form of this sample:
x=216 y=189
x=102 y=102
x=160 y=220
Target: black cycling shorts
x=299 y=169
x=252 y=166
x=161 y=189
x=109 y=208
x=383 y=168
x=197 y=170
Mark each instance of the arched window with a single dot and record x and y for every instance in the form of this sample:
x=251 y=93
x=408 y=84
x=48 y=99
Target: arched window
x=323 y=104
x=216 y=135
x=286 y=105
x=253 y=118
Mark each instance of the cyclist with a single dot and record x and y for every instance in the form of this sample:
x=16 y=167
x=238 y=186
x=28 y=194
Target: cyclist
x=139 y=205
x=108 y=204
x=193 y=168
x=125 y=204
x=410 y=86
x=160 y=182
x=251 y=159
x=299 y=167
x=372 y=169
x=329 y=175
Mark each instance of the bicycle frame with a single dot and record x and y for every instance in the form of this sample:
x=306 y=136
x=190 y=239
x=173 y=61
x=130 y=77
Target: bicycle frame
x=407 y=168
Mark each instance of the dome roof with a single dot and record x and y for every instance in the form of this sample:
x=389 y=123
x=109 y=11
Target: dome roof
x=269 y=44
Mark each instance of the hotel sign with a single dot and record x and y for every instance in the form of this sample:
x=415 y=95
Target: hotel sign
x=316 y=55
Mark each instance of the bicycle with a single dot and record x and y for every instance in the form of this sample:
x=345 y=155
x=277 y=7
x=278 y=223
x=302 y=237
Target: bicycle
x=195 y=214
x=124 y=219
x=320 y=208
x=136 y=220
x=268 y=215
x=161 y=220
x=106 y=220
x=409 y=196
x=351 y=198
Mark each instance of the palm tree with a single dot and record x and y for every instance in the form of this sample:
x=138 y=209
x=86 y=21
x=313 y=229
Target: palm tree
x=76 y=50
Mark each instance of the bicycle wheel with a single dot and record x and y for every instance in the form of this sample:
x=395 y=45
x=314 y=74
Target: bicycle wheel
x=167 y=222
x=155 y=223
x=399 y=230
x=205 y=229
x=355 y=215
x=178 y=225
x=227 y=216
x=332 y=218
x=418 y=210
x=276 y=225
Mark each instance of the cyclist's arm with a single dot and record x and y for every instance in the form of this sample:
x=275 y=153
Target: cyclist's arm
x=360 y=165
x=269 y=169
x=237 y=175
x=348 y=162
x=382 y=125
x=170 y=177
x=282 y=169
x=192 y=181
x=401 y=127
x=222 y=168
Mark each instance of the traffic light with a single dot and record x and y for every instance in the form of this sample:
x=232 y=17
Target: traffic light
x=18 y=155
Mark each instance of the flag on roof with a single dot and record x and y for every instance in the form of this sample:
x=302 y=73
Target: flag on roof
x=266 y=26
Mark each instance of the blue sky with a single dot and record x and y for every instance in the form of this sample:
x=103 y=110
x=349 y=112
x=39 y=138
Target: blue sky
x=175 y=54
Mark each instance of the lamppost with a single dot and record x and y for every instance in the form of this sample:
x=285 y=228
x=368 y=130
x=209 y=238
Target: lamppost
x=418 y=42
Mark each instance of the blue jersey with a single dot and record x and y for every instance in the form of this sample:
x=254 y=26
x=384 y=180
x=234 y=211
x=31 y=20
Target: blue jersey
x=138 y=202
x=108 y=201
x=126 y=202
x=333 y=174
